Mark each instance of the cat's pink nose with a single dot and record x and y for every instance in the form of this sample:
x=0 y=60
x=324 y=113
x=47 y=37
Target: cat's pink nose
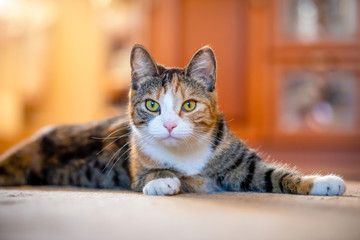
x=170 y=126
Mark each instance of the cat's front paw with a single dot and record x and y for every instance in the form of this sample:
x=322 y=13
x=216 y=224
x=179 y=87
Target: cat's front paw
x=329 y=185
x=162 y=186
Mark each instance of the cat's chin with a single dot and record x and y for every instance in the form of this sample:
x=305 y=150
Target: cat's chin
x=170 y=141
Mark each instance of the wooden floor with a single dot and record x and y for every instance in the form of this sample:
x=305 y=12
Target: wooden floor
x=43 y=213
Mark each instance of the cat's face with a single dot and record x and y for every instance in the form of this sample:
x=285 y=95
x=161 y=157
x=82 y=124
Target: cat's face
x=173 y=107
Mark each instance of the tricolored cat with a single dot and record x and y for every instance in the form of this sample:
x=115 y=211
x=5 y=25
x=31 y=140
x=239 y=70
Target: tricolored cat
x=174 y=140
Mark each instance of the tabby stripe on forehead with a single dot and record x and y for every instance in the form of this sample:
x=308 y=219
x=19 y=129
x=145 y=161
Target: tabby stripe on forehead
x=168 y=75
x=178 y=86
x=249 y=175
x=268 y=182
x=219 y=134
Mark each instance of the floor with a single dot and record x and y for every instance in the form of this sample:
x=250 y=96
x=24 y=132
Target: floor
x=54 y=213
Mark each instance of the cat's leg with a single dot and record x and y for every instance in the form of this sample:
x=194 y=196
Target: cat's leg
x=157 y=182
x=279 y=179
x=250 y=173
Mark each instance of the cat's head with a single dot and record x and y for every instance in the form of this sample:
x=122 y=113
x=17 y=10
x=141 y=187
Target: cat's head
x=173 y=106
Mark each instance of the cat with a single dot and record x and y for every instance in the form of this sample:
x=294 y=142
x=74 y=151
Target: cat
x=173 y=141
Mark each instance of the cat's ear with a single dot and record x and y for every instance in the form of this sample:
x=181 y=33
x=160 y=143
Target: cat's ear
x=142 y=65
x=203 y=66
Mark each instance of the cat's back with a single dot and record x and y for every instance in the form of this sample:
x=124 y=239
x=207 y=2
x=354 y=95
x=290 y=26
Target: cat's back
x=79 y=155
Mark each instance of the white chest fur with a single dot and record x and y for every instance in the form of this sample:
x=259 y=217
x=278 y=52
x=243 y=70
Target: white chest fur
x=187 y=162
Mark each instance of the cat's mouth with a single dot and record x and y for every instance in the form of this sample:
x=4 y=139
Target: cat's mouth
x=170 y=140
x=171 y=137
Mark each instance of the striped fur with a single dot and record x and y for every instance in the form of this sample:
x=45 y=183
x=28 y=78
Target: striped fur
x=199 y=154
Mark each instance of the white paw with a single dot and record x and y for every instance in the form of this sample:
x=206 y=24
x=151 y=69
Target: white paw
x=329 y=185
x=162 y=186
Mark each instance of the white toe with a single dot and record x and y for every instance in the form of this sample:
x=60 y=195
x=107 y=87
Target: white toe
x=162 y=186
x=329 y=185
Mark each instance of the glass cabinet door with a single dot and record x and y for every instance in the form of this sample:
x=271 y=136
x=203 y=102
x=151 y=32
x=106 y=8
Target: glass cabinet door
x=319 y=20
x=318 y=102
x=316 y=49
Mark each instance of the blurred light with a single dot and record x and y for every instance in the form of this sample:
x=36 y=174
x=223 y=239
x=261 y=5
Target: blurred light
x=307 y=20
x=313 y=102
x=311 y=20
x=323 y=113
x=100 y=3
x=18 y=17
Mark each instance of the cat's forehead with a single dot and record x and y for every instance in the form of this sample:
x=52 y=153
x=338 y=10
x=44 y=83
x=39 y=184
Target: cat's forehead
x=173 y=81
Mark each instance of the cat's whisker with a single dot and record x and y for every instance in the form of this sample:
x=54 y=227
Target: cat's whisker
x=202 y=134
x=212 y=135
x=208 y=140
x=128 y=155
x=117 y=130
x=114 y=155
x=119 y=159
x=199 y=128
x=133 y=146
x=105 y=138
x=97 y=154
x=115 y=139
x=188 y=145
x=227 y=121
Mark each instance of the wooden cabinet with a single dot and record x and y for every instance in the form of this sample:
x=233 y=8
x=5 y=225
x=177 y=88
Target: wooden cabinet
x=288 y=70
x=315 y=61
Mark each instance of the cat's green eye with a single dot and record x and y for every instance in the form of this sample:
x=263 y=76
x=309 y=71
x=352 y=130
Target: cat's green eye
x=189 y=106
x=152 y=106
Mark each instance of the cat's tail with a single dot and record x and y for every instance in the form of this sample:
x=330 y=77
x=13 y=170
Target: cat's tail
x=18 y=164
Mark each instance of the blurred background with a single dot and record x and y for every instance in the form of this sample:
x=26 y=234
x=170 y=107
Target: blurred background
x=288 y=70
